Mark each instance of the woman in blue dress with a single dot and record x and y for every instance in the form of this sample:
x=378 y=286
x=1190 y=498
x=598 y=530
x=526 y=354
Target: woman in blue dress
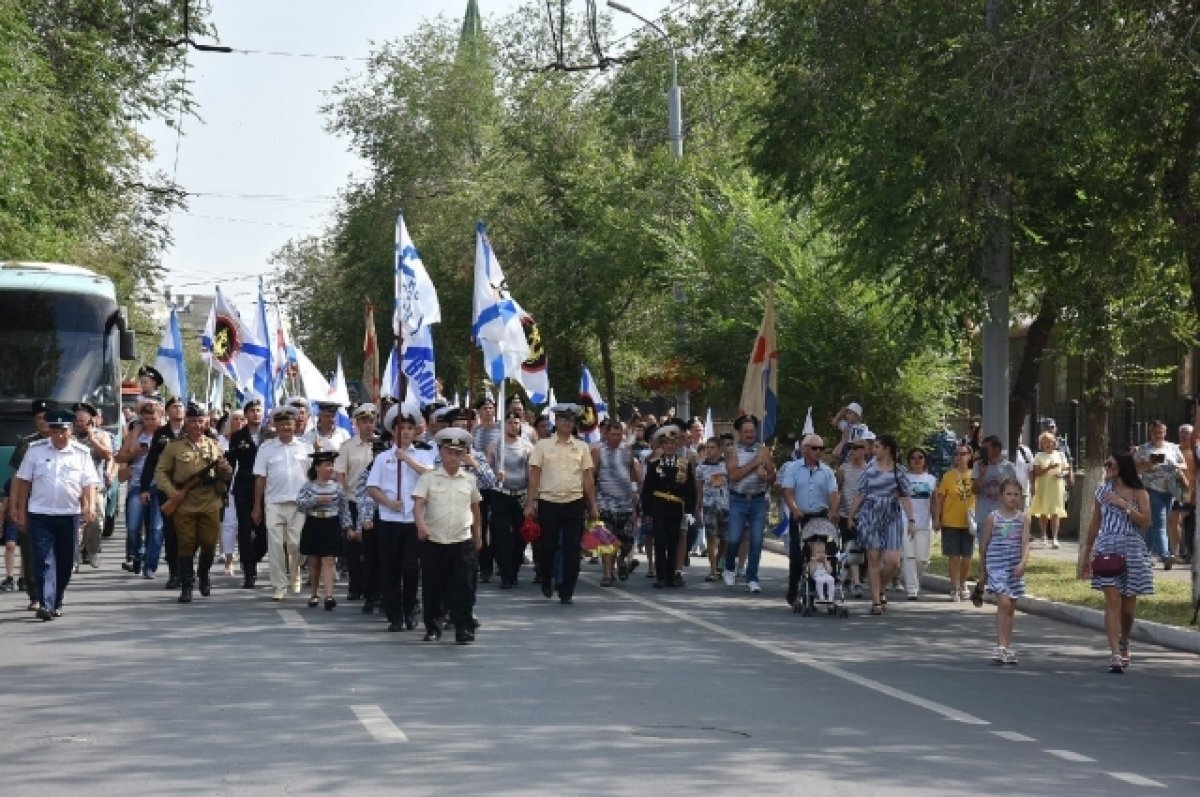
x=1003 y=556
x=875 y=514
x=1122 y=511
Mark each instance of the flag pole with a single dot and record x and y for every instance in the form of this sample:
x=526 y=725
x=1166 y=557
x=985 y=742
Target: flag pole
x=499 y=466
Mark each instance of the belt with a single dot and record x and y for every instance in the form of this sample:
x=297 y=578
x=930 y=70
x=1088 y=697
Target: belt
x=747 y=496
x=519 y=494
x=322 y=514
x=667 y=497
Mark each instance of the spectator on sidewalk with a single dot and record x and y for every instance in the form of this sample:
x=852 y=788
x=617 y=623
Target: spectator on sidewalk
x=952 y=505
x=1161 y=466
x=918 y=537
x=1181 y=523
x=1049 y=492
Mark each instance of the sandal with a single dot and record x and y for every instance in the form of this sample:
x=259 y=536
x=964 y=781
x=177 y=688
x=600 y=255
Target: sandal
x=314 y=601
x=877 y=609
x=1123 y=650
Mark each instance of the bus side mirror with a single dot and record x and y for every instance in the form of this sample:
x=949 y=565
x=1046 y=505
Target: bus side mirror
x=128 y=344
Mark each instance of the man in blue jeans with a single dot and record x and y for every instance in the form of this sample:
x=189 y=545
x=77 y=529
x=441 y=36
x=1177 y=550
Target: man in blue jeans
x=751 y=474
x=60 y=489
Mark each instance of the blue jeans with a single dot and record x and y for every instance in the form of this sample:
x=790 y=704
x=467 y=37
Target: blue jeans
x=53 y=538
x=1156 y=535
x=746 y=514
x=143 y=527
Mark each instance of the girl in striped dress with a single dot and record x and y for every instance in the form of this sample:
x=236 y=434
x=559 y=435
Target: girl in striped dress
x=1122 y=512
x=1004 y=554
x=327 y=518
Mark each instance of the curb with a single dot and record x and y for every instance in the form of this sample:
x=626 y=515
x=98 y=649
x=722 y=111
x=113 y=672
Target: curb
x=1167 y=636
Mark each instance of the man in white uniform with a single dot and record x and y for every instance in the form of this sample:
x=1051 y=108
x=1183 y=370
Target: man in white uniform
x=280 y=470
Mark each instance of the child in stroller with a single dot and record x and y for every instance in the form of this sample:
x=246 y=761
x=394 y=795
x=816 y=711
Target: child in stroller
x=822 y=566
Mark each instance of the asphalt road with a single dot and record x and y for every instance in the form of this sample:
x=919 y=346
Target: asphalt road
x=628 y=691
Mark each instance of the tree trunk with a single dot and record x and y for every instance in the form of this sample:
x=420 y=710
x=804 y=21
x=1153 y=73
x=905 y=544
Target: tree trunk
x=1037 y=339
x=1090 y=462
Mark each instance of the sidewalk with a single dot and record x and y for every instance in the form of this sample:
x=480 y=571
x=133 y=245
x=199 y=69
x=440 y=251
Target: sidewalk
x=1068 y=551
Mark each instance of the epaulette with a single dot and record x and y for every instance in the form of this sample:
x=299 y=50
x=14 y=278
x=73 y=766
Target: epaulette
x=78 y=446
x=39 y=441
x=422 y=445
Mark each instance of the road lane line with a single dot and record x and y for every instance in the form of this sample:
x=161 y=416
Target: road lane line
x=1013 y=736
x=837 y=672
x=291 y=618
x=1135 y=779
x=1068 y=755
x=378 y=724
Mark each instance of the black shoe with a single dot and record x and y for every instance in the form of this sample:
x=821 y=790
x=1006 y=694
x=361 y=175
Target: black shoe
x=329 y=604
x=7 y=585
x=127 y=566
x=564 y=600
x=484 y=579
x=547 y=589
x=247 y=582
x=396 y=627
x=172 y=583
x=506 y=585
x=658 y=585
x=185 y=594
x=475 y=624
x=368 y=608
x=205 y=586
x=20 y=583
x=44 y=614
x=410 y=622
x=677 y=580
x=353 y=596
x=432 y=636
x=464 y=637
x=137 y=567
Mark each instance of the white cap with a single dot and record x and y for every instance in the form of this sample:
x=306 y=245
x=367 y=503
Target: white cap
x=855 y=407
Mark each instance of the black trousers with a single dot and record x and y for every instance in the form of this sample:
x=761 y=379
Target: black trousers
x=795 y=553
x=252 y=537
x=666 y=543
x=33 y=573
x=447 y=583
x=352 y=552
x=507 y=516
x=399 y=568
x=567 y=520
x=487 y=554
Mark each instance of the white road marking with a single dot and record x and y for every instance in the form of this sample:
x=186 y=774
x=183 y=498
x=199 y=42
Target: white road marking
x=1013 y=736
x=1136 y=780
x=291 y=618
x=1068 y=755
x=837 y=672
x=378 y=724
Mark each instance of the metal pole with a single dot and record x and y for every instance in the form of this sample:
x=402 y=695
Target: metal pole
x=1128 y=430
x=675 y=135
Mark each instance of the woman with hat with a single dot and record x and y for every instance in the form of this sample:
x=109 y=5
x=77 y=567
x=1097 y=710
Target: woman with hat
x=668 y=495
x=326 y=518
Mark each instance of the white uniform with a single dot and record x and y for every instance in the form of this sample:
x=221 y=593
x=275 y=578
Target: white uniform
x=285 y=468
x=385 y=476
x=57 y=477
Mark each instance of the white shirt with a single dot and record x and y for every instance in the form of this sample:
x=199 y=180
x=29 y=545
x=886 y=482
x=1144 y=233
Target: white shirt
x=384 y=475
x=285 y=468
x=922 y=486
x=57 y=477
x=329 y=442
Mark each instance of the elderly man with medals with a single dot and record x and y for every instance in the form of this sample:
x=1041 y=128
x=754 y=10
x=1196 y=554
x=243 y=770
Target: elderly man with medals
x=669 y=498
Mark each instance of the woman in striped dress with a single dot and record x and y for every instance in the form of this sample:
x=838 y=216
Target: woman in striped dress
x=1122 y=511
x=1004 y=553
x=875 y=514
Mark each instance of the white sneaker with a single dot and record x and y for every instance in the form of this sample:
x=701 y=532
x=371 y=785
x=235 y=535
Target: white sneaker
x=999 y=655
x=296 y=587
x=728 y=577
x=1054 y=545
x=1010 y=656
x=753 y=586
x=279 y=595
x=955 y=597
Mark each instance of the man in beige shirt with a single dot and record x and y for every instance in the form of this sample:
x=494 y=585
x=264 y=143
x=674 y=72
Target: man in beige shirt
x=561 y=487
x=446 y=510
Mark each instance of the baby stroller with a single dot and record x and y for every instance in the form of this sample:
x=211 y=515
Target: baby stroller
x=816 y=532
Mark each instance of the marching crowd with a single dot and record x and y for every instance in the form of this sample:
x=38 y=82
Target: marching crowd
x=416 y=510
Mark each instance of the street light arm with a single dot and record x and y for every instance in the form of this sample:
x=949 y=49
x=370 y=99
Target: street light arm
x=654 y=26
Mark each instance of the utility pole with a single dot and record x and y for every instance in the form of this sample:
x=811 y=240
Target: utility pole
x=997 y=282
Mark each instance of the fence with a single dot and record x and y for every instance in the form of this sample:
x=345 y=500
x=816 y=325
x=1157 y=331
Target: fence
x=1128 y=423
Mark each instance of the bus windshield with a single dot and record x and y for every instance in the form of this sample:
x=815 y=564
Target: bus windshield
x=60 y=346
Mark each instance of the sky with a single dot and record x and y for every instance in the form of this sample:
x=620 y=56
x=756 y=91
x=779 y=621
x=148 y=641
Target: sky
x=259 y=162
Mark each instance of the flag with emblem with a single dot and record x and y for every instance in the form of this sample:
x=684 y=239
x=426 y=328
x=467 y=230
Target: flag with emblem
x=496 y=320
x=592 y=409
x=416 y=299
x=230 y=344
x=760 y=390
x=534 y=375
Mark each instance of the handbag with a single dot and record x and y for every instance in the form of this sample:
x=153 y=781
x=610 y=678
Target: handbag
x=1108 y=565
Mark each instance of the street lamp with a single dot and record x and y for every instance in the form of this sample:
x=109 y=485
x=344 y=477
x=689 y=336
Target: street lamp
x=675 y=134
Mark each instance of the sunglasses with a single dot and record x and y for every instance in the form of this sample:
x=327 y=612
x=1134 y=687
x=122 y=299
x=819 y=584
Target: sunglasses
x=815 y=448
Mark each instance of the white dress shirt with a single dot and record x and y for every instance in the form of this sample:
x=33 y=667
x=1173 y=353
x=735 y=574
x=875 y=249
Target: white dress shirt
x=384 y=476
x=57 y=477
x=285 y=468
